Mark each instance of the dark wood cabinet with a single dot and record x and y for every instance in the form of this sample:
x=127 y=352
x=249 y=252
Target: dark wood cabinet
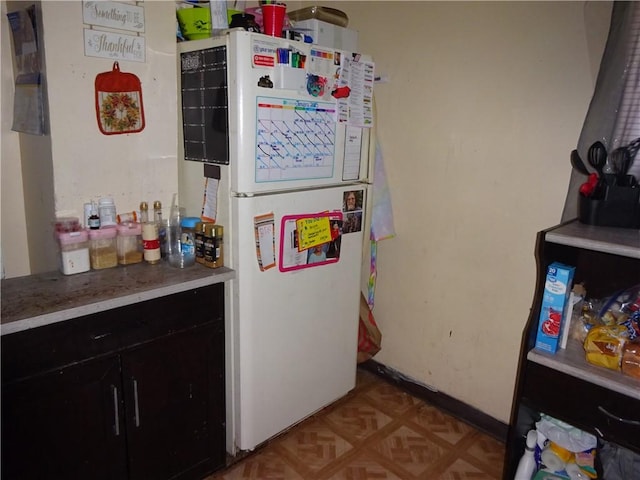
x=563 y=385
x=134 y=392
x=64 y=424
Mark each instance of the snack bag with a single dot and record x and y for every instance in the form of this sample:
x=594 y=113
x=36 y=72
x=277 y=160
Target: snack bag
x=603 y=345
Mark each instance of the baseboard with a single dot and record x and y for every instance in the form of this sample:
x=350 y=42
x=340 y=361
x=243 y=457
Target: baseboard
x=460 y=410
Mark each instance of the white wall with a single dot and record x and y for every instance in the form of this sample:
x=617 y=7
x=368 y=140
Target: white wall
x=484 y=104
x=77 y=163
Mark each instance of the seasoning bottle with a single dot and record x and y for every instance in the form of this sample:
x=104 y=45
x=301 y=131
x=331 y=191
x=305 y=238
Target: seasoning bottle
x=151 y=242
x=157 y=212
x=219 y=245
x=144 y=212
x=200 y=228
x=210 y=245
x=162 y=227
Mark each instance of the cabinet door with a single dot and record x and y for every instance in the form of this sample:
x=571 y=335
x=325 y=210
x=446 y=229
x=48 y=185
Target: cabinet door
x=65 y=424
x=174 y=396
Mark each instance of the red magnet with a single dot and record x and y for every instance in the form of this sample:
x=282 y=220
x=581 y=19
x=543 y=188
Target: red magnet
x=341 y=92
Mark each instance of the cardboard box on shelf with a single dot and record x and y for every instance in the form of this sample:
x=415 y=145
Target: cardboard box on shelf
x=557 y=289
x=328 y=35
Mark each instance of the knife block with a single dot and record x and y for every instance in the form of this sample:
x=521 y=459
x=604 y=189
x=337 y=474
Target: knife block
x=619 y=207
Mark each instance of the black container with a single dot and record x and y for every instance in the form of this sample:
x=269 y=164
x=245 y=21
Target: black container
x=246 y=21
x=618 y=207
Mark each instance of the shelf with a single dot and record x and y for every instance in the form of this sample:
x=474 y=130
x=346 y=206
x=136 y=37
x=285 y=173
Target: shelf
x=618 y=241
x=572 y=362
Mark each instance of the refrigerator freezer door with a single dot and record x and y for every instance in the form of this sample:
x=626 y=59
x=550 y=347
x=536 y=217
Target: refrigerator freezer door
x=281 y=136
x=294 y=332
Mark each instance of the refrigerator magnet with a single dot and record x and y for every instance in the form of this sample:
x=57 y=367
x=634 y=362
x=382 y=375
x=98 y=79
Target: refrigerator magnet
x=321 y=245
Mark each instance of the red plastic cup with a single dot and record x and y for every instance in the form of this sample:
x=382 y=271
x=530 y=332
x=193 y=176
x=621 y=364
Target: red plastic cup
x=273 y=19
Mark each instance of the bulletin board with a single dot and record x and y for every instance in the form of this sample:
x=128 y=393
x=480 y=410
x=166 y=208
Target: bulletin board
x=310 y=240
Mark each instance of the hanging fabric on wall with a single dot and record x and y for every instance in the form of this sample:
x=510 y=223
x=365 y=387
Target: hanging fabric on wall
x=119 y=102
x=382 y=226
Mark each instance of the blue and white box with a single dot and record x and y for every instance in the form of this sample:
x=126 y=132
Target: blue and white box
x=557 y=289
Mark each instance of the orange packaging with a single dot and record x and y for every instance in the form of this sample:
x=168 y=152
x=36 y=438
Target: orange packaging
x=630 y=364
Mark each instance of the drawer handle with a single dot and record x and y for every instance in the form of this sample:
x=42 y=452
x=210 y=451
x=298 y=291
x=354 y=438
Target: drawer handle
x=619 y=419
x=116 y=423
x=136 y=411
x=99 y=336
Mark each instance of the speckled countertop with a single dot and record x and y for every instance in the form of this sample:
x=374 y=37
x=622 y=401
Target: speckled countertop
x=37 y=300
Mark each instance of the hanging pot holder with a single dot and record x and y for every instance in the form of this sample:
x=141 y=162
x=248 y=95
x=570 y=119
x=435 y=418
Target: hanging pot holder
x=119 y=102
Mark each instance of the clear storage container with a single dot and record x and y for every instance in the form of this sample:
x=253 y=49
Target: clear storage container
x=129 y=243
x=103 y=248
x=74 y=252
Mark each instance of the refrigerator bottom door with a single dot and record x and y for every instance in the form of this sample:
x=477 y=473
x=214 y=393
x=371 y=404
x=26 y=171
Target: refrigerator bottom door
x=294 y=331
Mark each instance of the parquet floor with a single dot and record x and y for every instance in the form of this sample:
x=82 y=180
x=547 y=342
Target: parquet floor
x=379 y=432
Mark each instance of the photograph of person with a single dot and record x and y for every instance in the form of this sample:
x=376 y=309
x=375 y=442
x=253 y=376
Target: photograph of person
x=352 y=222
x=334 y=245
x=318 y=253
x=352 y=200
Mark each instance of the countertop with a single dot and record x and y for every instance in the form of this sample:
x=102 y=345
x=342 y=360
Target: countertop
x=36 y=300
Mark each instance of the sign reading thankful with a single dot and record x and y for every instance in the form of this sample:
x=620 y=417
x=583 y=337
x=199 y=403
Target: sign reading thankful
x=116 y=46
x=121 y=16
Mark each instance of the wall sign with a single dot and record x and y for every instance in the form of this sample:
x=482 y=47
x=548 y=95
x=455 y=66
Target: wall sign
x=115 y=46
x=121 y=16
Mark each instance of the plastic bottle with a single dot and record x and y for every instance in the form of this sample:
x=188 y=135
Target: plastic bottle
x=527 y=464
x=107 y=212
x=188 y=240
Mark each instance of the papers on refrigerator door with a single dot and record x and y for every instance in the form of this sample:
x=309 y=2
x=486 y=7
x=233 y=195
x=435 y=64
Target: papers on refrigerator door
x=264 y=227
x=210 y=201
x=326 y=226
x=356 y=109
x=352 y=153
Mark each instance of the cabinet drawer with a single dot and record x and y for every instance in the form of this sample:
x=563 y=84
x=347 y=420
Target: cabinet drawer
x=587 y=406
x=53 y=346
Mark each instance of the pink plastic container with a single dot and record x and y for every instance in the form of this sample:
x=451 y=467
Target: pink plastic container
x=103 y=249
x=74 y=252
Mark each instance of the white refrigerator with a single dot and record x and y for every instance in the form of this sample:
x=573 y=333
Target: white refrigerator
x=270 y=152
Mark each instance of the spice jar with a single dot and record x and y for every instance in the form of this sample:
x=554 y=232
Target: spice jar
x=129 y=243
x=219 y=246
x=103 y=248
x=201 y=228
x=74 y=252
x=213 y=253
x=210 y=245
